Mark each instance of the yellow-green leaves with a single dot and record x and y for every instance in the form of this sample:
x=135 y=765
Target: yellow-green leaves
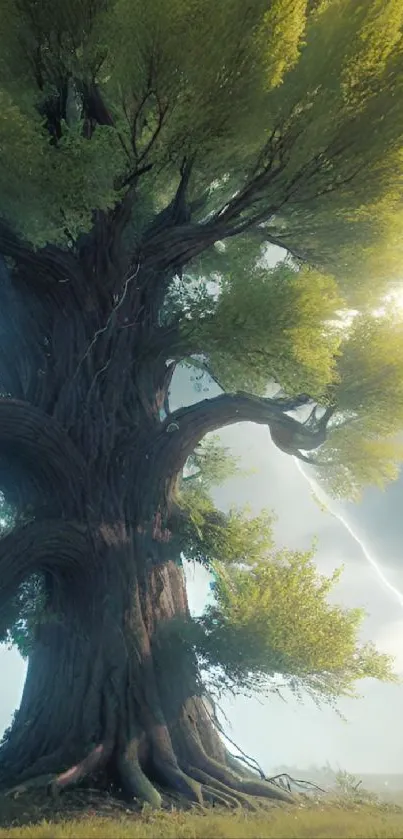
x=271 y=324
x=280 y=35
x=370 y=370
x=213 y=537
x=272 y=617
x=297 y=103
x=354 y=458
x=375 y=42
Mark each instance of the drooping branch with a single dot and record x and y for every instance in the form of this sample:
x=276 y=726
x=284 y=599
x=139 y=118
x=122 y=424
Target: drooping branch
x=60 y=548
x=38 y=444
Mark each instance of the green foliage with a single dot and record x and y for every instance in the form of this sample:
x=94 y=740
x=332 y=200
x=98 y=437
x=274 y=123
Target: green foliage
x=47 y=192
x=337 y=116
x=292 y=105
x=210 y=465
x=211 y=536
x=272 y=617
x=207 y=533
x=354 y=458
x=370 y=373
x=165 y=100
x=23 y=612
x=365 y=446
x=267 y=324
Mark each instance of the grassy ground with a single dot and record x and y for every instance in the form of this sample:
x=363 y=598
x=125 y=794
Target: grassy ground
x=330 y=820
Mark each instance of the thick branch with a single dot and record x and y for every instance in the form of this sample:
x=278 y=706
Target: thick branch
x=60 y=548
x=186 y=427
x=40 y=445
x=47 y=264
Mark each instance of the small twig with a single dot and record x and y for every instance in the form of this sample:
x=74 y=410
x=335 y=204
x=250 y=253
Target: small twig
x=250 y=761
x=295 y=781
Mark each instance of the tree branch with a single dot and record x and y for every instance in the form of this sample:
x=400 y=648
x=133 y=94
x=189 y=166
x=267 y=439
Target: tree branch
x=60 y=548
x=185 y=428
x=38 y=444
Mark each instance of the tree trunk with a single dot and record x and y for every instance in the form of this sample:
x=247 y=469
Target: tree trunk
x=112 y=690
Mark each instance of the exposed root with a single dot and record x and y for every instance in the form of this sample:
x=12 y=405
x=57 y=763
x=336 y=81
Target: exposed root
x=167 y=768
x=30 y=783
x=245 y=771
x=213 y=796
x=55 y=783
x=232 y=782
x=179 y=782
x=237 y=799
x=247 y=786
x=94 y=760
x=135 y=783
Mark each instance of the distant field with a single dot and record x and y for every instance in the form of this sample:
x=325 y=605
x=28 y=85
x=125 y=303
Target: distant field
x=327 y=822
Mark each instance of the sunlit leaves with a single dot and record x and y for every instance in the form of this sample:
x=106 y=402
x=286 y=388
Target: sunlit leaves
x=365 y=445
x=273 y=617
x=295 y=105
x=353 y=458
x=269 y=325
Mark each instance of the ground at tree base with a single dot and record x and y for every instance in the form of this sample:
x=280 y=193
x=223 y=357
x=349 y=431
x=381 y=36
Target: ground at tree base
x=84 y=813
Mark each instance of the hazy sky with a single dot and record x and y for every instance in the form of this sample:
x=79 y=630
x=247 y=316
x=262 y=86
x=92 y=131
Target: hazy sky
x=272 y=731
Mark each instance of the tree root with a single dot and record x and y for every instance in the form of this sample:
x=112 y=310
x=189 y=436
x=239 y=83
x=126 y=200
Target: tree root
x=135 y=783
x=180 y=782
x=204 y=781
x=244 y=771
x=245 y=786
x=236 y=799
x=232 y=782
x=94 y=760
x=55 y=783
x=213 y=796
x=30 y=783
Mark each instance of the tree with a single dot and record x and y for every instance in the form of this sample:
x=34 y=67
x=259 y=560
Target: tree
x=134 y=138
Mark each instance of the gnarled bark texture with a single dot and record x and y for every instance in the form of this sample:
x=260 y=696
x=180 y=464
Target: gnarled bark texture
x=91 y=466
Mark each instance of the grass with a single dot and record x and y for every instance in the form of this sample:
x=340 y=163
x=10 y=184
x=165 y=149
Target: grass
x=320 y=820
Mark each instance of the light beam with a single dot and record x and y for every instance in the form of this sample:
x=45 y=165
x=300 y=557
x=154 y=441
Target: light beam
x=319 y=492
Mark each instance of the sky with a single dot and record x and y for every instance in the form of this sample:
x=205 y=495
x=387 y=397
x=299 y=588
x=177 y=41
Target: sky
x=275 y=732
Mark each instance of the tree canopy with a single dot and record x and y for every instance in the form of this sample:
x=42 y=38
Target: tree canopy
x=293 y=122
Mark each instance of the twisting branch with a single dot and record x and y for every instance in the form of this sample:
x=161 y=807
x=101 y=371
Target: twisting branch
x=185 y=428
x=37 y=443
x=195 y=421
x=60 y=548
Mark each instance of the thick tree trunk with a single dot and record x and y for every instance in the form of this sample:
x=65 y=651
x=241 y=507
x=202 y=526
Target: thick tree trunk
x=113 y=692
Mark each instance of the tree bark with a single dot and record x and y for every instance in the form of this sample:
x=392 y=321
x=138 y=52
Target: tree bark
x=185 y=428
x=112 y=688
x=111 y=692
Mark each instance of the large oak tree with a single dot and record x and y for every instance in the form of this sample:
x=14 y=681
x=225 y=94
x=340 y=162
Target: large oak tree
x=149 y=154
